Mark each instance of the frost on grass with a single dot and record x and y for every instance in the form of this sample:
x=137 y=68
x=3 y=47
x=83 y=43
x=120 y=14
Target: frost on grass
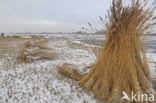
x=36 y=50
x=39 y=81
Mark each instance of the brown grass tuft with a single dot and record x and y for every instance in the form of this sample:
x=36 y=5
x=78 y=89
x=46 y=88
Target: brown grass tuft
x=22 y=56
x=42 y=51
x=69 y=71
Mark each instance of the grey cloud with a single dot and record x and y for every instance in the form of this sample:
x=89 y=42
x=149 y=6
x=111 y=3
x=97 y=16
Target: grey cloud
x=50 y=15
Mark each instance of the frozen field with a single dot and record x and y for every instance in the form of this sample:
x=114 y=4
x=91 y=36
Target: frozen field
x=39 y=81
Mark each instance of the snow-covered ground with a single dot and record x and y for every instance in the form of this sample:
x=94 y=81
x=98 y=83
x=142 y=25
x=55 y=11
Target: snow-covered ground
x=39 y=81
x=151 y=54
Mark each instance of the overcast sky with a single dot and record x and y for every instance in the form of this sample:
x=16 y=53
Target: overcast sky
x=50 y=15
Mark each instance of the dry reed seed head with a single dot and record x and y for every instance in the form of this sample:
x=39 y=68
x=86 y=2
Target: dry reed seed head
x=134 y=15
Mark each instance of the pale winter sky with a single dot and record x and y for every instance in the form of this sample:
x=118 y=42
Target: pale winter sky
x=51 y=15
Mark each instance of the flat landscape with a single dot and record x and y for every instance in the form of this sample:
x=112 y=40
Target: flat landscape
x=38 y=80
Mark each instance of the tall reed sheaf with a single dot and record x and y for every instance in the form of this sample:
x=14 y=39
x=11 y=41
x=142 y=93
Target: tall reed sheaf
x=123 y=65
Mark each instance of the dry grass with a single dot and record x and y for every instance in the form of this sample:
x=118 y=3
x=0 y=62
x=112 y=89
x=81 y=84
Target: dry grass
x=42 y=44
x=22 y=82
x=22 y=56
x=69 y=71
x=97 y=51
x=42 y=51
